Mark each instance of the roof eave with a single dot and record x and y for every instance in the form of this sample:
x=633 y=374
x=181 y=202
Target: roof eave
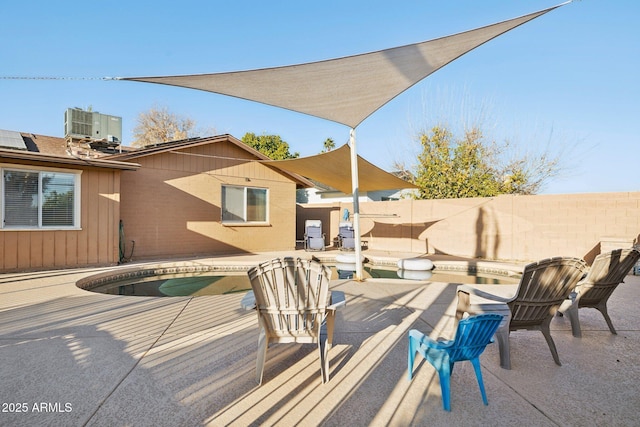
x=47 y=158
x=300 y=181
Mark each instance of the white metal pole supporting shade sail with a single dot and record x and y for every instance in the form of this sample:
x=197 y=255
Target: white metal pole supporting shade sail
x=345 y=90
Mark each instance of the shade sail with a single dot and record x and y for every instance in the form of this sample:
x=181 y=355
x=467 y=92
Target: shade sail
x=334 y=169
x=344 y=90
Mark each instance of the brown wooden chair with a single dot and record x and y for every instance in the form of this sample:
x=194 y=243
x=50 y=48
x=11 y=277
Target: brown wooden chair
x=293 y=302
x=542 y=289
x=607 y=272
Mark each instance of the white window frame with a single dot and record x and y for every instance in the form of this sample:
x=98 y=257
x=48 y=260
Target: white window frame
x=243 y=219
x=77 y=191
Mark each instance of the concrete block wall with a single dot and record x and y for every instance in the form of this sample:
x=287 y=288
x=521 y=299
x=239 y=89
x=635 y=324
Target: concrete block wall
x=516 y=228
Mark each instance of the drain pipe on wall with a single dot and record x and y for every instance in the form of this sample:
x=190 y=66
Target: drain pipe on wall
x=122 y=247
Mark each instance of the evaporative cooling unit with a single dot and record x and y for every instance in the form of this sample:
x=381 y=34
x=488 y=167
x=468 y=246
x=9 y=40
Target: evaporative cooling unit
x=92 y=126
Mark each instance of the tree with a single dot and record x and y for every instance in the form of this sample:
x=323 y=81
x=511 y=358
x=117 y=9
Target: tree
x=328 y=145
x=270 y=145
x=474 y=167
x=160 y=125
x=528 y=173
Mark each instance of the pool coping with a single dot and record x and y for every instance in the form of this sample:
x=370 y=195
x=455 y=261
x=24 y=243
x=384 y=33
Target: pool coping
x=171 y=269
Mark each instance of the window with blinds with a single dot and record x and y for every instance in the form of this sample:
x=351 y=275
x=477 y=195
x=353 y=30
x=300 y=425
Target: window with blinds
x=39 y=199
x=244 y=204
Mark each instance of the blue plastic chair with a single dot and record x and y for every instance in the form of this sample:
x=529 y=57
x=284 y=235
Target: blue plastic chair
x=472 y=336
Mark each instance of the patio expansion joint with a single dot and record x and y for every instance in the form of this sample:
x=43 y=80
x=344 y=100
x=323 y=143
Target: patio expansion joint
x=146 y=352
x=517 y=393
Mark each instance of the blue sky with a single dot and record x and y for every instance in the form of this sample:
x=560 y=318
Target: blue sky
x=566 y=81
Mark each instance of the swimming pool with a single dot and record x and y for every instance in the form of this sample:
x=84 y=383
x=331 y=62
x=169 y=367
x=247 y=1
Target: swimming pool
x=202 y=280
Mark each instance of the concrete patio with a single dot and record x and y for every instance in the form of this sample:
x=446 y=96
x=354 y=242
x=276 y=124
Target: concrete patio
x=72 y=357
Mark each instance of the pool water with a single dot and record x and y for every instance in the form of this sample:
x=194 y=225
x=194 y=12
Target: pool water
x=220 y=283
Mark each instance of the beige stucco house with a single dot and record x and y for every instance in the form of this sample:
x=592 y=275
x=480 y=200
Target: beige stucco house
x=206 y=196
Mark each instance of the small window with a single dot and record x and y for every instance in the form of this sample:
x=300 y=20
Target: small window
x=40 y=199
x=244 y=205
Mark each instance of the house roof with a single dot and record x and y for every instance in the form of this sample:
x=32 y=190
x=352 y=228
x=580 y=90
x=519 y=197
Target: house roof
x=55 y=150
x=165 y=147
